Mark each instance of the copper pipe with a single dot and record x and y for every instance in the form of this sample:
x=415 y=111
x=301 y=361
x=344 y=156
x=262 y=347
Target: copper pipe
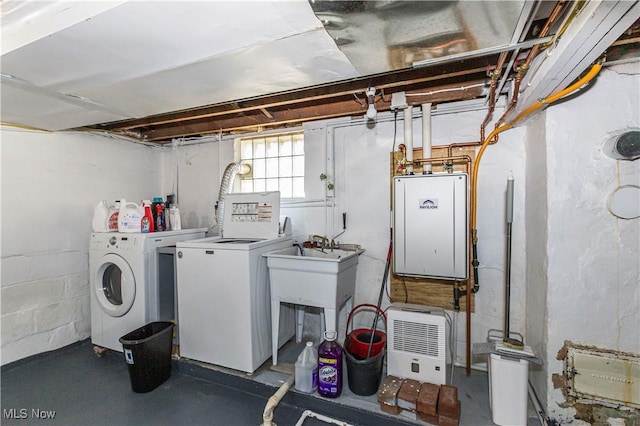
x=461 y=145
x=495 y=76
x=470 y=274
x=466 y=158
x=522 y=69
x=492 y=105
x=545 y=30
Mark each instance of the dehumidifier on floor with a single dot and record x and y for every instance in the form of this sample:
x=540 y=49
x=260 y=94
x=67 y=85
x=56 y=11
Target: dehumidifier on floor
x=417 y=346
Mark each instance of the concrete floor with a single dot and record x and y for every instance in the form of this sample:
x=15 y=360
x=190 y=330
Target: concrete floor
x=80 y=388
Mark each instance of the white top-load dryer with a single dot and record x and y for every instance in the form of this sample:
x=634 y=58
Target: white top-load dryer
x=125 y=293
x=224 y=303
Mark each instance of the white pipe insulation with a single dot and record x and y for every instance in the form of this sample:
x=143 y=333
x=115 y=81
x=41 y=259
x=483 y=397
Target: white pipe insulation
x=272 y=403
x=408 y=137
x=426 y=137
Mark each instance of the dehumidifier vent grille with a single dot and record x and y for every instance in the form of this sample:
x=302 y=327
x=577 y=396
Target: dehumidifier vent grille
x=418 y=338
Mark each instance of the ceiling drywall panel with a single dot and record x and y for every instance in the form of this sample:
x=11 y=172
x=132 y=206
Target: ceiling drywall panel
x=24 y=22
x=56 y=113
x=280 y=65
x=140 y=58
x=130 y=42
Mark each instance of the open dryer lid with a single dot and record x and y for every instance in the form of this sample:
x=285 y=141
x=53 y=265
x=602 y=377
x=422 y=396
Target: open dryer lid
x=252 y=215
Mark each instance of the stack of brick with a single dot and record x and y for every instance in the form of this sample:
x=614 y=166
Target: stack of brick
x=430 y=403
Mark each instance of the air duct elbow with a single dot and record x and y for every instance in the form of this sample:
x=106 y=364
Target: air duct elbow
x=225 y=187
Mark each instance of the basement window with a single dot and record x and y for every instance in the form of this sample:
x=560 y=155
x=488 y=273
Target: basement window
x=277 y=164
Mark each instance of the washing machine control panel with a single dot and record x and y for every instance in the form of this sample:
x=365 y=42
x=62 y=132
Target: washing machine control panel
x=113 y=241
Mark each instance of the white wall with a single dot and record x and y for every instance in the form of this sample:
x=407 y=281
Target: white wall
x=199 y=168
x=355 y=157
x=575 y=269
x=593 y=267
x=536 y=217
x=50 y=184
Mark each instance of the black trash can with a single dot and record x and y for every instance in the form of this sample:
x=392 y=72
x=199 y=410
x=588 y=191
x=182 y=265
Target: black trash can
x=147 y=351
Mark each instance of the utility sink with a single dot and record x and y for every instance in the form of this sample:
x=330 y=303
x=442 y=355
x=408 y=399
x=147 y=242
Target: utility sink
x=322 y=266
x=323 y=278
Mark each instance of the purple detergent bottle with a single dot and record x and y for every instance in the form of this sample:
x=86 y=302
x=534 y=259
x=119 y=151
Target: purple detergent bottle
x=330 y=366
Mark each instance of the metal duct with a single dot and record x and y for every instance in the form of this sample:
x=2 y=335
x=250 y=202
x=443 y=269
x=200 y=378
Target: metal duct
x=225 y=187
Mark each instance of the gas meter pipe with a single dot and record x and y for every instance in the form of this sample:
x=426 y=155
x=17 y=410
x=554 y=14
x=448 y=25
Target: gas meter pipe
x=595 y=69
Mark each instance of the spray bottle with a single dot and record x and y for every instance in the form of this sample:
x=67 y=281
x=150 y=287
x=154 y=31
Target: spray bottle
x=158 y=214
x=147 y=218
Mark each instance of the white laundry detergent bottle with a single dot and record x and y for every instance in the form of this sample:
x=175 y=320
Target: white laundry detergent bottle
x=130 y=217
x=306 y=370
x=101 y=217
x=112 y=219
x=174 y=218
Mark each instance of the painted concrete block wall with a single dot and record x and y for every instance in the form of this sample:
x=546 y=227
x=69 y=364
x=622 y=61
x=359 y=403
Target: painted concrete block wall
x=199 y=168
x=593 y=272
x=51 y=183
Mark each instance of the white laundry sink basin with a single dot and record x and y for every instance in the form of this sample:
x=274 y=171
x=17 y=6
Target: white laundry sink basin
x=313 y=260
x=320 y=278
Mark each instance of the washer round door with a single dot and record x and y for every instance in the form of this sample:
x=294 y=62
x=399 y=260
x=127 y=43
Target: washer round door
x=115 y=285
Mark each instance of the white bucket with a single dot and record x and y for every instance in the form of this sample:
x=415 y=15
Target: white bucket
x=130 y=217
x=508 y=390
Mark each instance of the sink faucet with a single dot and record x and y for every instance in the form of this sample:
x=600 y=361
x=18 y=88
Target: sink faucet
x=324 y=241
x=296 y=244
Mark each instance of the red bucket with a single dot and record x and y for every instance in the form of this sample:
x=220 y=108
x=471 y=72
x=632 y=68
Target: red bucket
x=360 y=338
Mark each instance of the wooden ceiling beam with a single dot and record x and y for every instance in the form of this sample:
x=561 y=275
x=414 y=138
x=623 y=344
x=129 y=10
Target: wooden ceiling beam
x=311 y=110
x=385 y=81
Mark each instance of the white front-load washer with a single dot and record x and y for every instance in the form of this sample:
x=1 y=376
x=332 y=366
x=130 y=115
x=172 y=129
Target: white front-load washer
x=124 y=283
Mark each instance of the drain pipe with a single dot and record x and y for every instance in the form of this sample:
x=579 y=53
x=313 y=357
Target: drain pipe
x=426 y=136
x=408 y=138
x=272 y=403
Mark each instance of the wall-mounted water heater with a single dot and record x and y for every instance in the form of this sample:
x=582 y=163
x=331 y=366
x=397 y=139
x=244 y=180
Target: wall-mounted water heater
x=430 y=228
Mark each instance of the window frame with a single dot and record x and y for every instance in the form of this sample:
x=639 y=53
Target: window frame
x=268 y=156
